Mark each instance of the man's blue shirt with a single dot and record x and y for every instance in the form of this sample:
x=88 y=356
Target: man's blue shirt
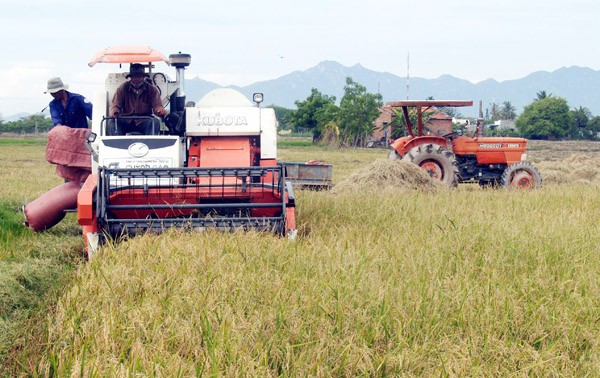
x=78 y=108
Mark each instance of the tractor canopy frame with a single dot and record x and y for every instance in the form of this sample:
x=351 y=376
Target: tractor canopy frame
x=421 y=106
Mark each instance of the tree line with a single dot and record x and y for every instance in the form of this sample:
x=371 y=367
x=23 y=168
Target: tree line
x=546 y=117
x=549 y=117
x=351 y=123
x=27 y=125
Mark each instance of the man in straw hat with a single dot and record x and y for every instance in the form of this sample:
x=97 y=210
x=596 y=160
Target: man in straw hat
x=68 y=108
x=136 y=97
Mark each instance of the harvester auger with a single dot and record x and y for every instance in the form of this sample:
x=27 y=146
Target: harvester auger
x=212 y=164
x=454 y=158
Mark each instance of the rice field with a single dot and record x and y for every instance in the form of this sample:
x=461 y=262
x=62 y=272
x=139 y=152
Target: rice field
x=383 y=280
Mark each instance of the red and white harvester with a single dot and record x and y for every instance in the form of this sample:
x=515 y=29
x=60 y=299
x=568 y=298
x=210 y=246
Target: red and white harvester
x=212 y=164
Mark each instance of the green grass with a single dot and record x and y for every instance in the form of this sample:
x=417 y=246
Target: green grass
x=11 y=228
x=464 y=282
x=33 y=266
x=21 y=142
x=295 y=143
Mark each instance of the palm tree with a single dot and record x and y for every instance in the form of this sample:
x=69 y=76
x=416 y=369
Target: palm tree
x=494 y=111
x=542 y=95
x=508 y=111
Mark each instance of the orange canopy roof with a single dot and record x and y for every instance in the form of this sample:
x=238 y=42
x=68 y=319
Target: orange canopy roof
x=128 y=54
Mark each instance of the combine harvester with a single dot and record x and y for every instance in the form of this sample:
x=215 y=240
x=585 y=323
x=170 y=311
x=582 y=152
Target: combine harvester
x=212 y=164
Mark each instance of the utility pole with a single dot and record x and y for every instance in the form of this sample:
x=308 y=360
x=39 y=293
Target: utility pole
x=408 y=75
x=480 y=109
x=479 y=130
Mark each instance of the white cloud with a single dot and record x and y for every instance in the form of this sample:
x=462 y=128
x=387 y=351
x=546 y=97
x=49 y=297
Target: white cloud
x=240 y=42
x=18 y=81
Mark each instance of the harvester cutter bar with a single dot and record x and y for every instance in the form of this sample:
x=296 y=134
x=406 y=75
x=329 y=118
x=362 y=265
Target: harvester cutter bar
x=133 y=226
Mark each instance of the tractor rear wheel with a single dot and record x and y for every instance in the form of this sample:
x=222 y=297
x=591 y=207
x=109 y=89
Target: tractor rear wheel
x=521 y=175
x=437 y=161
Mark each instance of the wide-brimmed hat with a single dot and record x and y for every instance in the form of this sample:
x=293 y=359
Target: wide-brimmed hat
x=55 y=84
x=136 y=70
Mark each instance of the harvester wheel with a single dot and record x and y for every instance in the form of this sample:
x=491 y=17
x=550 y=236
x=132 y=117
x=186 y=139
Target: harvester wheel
x=521 y=175
x=437 y=161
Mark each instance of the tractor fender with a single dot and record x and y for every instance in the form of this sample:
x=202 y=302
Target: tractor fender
x=405 y=144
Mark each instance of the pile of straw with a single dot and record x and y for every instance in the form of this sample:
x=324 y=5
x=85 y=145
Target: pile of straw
x=575 y=169
x=386 y=174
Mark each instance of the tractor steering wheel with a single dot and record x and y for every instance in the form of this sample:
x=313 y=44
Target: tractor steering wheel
x=450 y=135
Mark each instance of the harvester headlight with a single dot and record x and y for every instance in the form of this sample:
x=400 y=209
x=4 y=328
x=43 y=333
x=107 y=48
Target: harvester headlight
x=257 y=98
x=523 y=157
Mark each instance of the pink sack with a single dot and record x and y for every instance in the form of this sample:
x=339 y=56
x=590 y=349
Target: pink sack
x=66 y=148
x=48 y=209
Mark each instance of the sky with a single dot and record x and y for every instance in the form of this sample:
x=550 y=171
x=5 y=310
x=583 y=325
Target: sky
x=241 y=42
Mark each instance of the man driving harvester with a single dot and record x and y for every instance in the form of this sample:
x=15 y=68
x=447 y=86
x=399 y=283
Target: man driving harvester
x=133 y=105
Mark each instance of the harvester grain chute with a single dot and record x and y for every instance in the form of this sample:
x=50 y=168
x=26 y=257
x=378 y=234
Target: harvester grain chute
x=212 y=165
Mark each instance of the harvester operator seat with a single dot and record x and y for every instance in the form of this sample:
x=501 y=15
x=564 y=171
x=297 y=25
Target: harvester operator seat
x=113 y=81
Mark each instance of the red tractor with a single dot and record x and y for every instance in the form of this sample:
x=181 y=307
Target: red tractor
x=454 y=158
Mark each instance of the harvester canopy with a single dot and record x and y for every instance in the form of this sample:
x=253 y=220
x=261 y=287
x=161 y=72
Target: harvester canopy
x=128 y=54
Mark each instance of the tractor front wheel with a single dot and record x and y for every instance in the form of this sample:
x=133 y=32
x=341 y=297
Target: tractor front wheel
x=521 y=175
x=437 y=161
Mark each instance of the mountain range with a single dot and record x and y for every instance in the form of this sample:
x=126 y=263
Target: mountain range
x=580 y=86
